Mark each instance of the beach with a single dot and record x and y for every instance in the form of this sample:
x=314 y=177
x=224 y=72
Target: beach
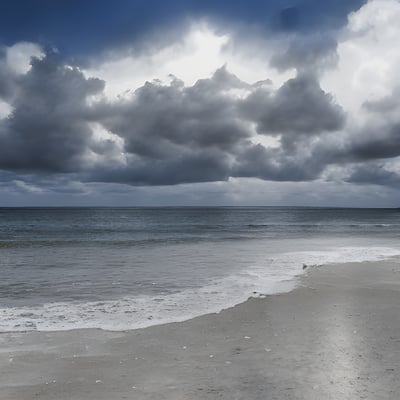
x=199 y=200
x=336 y=336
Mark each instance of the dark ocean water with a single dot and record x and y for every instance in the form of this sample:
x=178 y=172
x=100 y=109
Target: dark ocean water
x=121 y=268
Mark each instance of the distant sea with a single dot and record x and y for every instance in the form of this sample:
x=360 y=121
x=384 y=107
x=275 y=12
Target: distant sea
x=125 y=268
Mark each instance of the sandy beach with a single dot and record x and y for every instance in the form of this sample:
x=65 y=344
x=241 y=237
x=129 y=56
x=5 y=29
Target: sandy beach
x=336 y=336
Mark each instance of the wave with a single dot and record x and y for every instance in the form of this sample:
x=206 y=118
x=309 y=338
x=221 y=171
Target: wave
x=277 y=274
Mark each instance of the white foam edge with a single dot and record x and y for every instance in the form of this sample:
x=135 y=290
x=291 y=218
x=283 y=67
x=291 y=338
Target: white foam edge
x=276 y=274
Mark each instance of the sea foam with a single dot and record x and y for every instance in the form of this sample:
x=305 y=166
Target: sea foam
x=277 y=273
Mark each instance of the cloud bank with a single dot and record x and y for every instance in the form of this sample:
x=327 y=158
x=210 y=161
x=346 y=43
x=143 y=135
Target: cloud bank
x=325 y=109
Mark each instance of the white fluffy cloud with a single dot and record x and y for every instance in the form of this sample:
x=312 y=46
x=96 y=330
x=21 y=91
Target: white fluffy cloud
x=19 y=55
x=368 y=57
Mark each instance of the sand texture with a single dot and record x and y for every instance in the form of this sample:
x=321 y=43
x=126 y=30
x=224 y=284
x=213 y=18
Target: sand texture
x=335 y=337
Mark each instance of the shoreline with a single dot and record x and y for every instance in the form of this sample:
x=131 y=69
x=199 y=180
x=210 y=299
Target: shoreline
x=334 y=336
x=131 y=312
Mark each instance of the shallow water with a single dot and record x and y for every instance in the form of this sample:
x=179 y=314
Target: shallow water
x=122 y=268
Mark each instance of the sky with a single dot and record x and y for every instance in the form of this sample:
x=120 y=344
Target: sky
x=199 y=102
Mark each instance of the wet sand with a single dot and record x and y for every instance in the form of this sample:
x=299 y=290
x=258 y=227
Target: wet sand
x=337 y=336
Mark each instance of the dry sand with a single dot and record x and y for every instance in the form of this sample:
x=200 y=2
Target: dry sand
x=335 y=337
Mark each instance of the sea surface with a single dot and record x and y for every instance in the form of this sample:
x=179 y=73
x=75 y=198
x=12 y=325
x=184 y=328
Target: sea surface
x=126 y=268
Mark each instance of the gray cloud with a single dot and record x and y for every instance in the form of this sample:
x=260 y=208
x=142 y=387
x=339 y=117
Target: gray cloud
x=187 y=168
x=384 y=142
x=162 y=120
x=380 y=139
x=377 y=141
x=6 y=77
x=170 y=134
x=299 y=107
x=187 y=134
x=176 y=134
x=310 y=52
x=276 y=165
x=47 y=130
x=374 y=173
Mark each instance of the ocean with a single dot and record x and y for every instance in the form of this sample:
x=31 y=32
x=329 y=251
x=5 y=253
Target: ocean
x=128 y=268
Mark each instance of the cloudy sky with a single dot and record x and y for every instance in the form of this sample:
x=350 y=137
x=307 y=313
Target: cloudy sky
x=200 y=102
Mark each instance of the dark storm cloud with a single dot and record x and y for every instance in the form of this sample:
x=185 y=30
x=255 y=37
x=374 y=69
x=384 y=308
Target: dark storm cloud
x=189 y=134
x=359 y=151
x=5 y=84
x=177 y=131
x=383 y=142
x=47 y=130
x=371 y=142
x=161 y=119
x=6 y=77
x=171 y=133
x=381 y=138
x=374 y=174
x=175 y=134
x=275 y=165
x=190 y=167
x=300 y=106
x=166 y=134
